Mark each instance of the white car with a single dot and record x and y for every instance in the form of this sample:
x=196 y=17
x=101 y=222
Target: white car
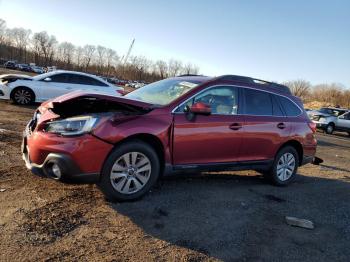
x=53 y=84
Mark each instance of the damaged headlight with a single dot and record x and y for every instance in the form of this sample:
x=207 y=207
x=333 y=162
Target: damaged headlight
x=72 y=126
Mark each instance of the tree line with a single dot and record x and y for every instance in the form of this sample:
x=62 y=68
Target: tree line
x=330 y=94
x=43 y=49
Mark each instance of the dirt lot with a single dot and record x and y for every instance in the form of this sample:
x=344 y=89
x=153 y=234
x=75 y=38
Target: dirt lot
x=227 y=216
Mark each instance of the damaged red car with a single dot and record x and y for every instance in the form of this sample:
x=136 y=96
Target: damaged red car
x=186 y=123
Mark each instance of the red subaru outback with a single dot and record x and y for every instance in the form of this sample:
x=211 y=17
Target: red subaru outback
x=124 y=144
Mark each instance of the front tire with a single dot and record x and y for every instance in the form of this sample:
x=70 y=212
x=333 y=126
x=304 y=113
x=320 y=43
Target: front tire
x=23 y=96
x=329 y=129
x=129 y=172
x=284 y=168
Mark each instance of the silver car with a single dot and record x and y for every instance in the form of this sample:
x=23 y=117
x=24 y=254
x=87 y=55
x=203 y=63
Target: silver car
x=331 y=119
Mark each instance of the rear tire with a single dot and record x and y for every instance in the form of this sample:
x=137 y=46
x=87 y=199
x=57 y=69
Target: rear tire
x=329 y=129
x=284 y=167
x=129 y=171
x=23 y=96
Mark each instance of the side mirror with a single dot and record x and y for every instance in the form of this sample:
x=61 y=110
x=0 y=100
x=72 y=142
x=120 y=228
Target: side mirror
x=200 y=108
x=47 y=79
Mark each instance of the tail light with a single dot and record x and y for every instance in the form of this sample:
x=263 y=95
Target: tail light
x=312 y=126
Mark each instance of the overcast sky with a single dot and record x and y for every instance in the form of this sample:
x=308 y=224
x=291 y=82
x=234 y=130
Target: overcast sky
x=271 y=39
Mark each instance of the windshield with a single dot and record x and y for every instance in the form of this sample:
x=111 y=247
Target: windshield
x=163 y=92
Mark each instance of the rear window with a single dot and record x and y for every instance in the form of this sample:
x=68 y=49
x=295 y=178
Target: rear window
x=289 y=107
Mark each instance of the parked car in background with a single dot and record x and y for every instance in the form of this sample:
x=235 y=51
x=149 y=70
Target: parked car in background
x=53 y=84
x=51 y=68
x=37 y=69
x=10 y=65
x=331 y=119
x=24 y=67
x=192 y=123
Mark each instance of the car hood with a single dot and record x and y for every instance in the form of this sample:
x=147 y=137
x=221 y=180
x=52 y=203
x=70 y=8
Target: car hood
x=8 y=78
x=79 y=103
x=318 y=113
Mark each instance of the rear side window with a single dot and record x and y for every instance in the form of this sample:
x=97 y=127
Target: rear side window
x=257 y=103
x=84 y=80
x=59 y=78
x=276 y=108
x=289 y=107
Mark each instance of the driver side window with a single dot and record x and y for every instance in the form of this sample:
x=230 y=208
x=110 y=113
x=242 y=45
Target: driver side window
x=223 y=100
x=347 y=116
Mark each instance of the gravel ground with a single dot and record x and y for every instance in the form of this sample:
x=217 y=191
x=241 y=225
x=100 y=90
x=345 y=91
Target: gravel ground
x=230 y=216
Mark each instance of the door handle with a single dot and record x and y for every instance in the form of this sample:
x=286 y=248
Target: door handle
x=68 y=87
x=281 y=125
x=235 y=126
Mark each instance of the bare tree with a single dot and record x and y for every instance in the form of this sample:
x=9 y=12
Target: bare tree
x=21 y=39
x=79 y=56
x=141 y=64
x=112 y=59
x=299 y=87
x=162 y=68
x=190 y=69
x=88 y=53
x=67 y=52
x=101 y=53
x=44 y=45
x=174 y=67
x=2 y=31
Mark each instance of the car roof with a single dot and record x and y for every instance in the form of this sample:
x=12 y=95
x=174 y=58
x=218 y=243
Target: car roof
x=196 y=78
x=241 y=80
x=335 y=108
x=75 y=73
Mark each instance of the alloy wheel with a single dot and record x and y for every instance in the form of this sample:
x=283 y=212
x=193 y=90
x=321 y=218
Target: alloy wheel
x=130 y=173
x=285 y=166
x=23 y=96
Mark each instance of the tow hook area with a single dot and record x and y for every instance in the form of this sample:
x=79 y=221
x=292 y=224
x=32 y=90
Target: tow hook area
x=317 y=161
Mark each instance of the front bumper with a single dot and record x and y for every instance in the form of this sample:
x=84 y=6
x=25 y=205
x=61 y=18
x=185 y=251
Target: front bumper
x=80 y=158
x=4 y=92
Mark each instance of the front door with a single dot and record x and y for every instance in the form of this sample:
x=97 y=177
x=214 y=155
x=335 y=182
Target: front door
x=215 y=138
x=343 y=122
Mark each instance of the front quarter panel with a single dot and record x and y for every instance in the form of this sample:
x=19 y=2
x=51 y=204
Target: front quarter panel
x=116 y=129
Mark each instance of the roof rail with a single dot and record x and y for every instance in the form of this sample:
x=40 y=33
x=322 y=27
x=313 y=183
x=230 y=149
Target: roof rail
x=188 y=75
x=250 y=80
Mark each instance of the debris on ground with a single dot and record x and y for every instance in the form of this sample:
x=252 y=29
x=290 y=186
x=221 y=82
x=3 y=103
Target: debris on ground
x=299 y=222
x=2 y=190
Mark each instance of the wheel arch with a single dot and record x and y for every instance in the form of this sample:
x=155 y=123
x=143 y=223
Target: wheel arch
x=151 y=140
x=26 y=87
x=297 y=146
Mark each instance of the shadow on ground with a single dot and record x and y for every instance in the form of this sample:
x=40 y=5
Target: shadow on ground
x=233 y=217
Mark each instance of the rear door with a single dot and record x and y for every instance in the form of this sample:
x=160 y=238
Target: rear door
x=266 y=126
x=209 y=139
